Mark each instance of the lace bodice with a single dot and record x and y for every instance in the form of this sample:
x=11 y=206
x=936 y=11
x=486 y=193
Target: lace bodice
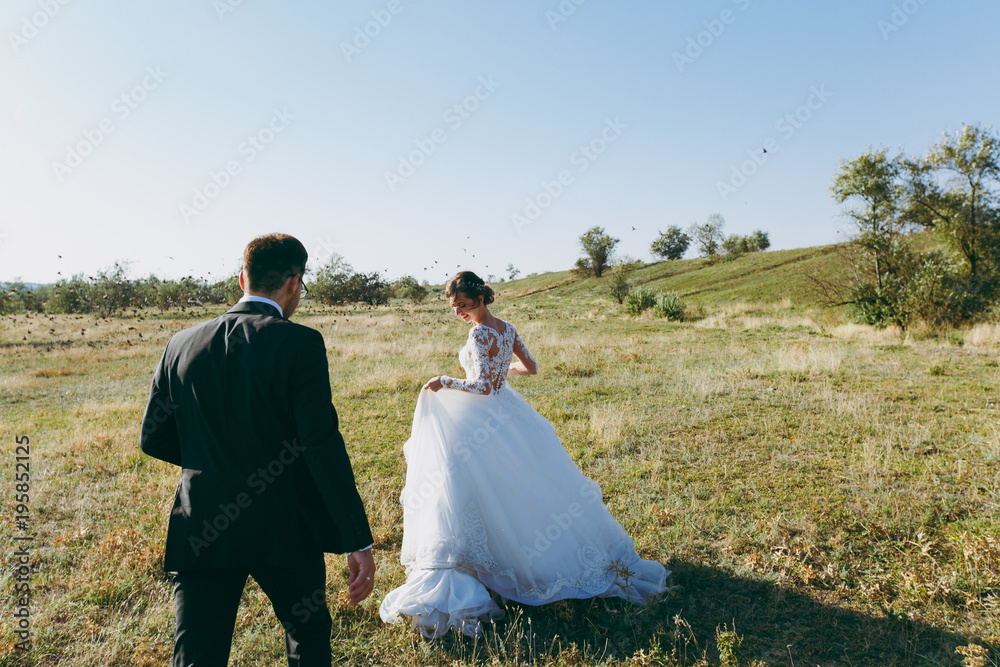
x=486 y=359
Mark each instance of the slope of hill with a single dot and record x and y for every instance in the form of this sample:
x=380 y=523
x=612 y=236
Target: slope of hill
x=755 y=277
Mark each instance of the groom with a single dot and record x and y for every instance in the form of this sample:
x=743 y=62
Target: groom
x=242 y=404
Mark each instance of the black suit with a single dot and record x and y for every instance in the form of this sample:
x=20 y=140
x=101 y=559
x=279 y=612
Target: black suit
x=242 y=404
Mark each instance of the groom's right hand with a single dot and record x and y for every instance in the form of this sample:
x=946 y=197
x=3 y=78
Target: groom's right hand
x=361 y=566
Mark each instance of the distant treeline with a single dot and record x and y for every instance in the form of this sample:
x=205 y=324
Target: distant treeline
x=111 y=292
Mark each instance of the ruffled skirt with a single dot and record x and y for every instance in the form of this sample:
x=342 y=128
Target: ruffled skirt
x=493 y=501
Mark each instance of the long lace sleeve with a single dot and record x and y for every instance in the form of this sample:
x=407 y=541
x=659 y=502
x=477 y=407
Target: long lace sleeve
x=521 y=352
x=479 y=381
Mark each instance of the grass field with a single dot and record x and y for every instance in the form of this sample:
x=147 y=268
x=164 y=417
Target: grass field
x=824 y=493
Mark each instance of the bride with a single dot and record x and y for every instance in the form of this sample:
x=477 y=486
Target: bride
x=492 y=501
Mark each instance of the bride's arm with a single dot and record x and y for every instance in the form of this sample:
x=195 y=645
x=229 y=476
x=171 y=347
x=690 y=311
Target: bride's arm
x=480 y=382
x=525 y=364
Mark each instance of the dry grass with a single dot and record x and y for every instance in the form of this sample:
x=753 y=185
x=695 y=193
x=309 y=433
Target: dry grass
x=811 y=481
x=983 y=335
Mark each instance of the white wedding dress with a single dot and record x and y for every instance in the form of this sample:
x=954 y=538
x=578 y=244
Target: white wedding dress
x=493 y=501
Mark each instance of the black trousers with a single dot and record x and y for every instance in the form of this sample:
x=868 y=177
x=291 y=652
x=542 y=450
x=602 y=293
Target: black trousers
x=207 y=602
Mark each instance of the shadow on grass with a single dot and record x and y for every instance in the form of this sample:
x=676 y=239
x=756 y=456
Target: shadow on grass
x=778 y=627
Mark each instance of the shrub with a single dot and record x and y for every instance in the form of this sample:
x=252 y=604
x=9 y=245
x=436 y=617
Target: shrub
x=670 y=306
x=735 y=245
x=618 y=279
x=639 y=299
x=407 y=287
x=597 y=246
x=618 y=285
x=759 y=241
x=671 y=244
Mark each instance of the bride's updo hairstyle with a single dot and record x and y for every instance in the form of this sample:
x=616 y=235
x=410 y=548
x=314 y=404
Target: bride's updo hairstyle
x=471 y=285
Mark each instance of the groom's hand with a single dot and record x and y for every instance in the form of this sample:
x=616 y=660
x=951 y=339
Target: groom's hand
x=361 y=565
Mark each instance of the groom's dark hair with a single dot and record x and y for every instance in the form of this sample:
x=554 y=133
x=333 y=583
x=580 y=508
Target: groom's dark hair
x=269 y=260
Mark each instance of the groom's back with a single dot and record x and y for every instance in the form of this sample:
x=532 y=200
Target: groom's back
x=245 y=494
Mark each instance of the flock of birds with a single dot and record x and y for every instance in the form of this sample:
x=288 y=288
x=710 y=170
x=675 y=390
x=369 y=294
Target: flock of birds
x=386 y=270
x=83 y=330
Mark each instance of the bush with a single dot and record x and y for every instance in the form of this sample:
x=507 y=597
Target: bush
x=618 y=280
x=18 y=297
x=670 y=306
x=735 y=245
x=618 y=285
x=598 y=246
x=336 y=284
x=639 y=299
x=671 y=244
x=759 y=241
x=407 y=287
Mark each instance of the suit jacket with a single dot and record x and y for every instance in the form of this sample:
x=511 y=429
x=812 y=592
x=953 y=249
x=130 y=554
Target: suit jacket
x=242 y=404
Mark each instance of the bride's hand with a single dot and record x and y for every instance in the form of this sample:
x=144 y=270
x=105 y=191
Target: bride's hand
x=434 y=384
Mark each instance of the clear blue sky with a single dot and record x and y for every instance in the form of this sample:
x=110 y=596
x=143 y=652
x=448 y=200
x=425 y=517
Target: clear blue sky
x=665 y=121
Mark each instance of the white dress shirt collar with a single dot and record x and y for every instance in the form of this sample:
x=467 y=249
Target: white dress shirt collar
x=262 y=299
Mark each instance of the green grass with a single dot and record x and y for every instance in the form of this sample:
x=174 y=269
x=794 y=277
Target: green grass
x=825 y=494
x=753 y=277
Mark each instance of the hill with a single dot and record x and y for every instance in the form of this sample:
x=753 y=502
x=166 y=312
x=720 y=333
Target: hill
x=754 y=277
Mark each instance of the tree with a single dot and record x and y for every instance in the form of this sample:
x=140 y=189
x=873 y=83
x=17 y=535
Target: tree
x=956 y=192
x=512 y=272
x=337 y=284
x=19 y=297
x=408 y=288
x=881 y=256
x=619 y=284
x=597 y=246
x=330 y=286
x=70 y=296
x=871 y=180
x=112 y=291
x=759 y=241
x=735 y=245
x=228 y=290
x=368 y=288
x=708 y=236
x=671 y=244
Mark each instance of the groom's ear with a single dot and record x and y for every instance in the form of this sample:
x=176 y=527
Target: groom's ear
x=242 y=284
x=291 y=284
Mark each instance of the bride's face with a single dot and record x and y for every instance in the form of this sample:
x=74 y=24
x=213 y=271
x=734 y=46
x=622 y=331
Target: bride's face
x=464 y=306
